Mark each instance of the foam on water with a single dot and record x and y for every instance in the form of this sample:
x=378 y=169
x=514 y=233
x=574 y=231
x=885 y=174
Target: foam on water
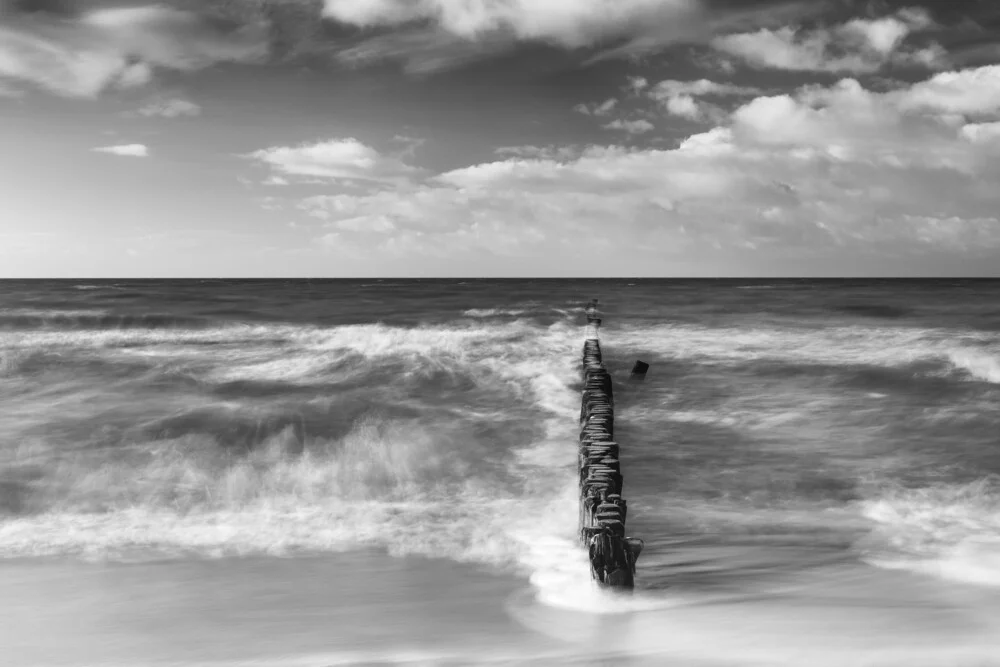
x=411 y=486
x=975 y=354
x=980 y=365
x=946 y=531
x=495 y=312
x=52 y=313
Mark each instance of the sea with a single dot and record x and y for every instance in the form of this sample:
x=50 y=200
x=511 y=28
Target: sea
x=310 y=473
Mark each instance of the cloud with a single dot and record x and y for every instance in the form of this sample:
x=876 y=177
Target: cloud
x=700 y=88
x=170 y=108
x=87 y=54
x=838 y=171
x=968 y=91
x=594 y=109
x=545 y=152
x=849 y=124
x=679 y=97
x=423 y=50
x=59 y=69
x=433 y=35
x=858 y=46
x=346 y=159
x=636 y=84
x=409 y=144
x=125 y=150
x=175 y=39
x=982 y=133
x=569 y=23
x=684 y=106
x=640 y=126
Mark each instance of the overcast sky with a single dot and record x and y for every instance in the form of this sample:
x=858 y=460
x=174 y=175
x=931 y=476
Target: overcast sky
x=499 y=138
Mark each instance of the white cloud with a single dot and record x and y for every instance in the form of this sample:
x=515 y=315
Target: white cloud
x=570 y=23
x=125 y=150
x=969 y=91
x=603 y=109
x=171 y=38
x=547 y=152
x=821 y=171
x=57 y=68
x=982 y=133
x=700 y=88
x=885 y=35
x=424 y=50
x=335 y=159
x=678 y=97
x=859 y=46
x=432 y=35
x=640 y=126
x=170 y=108
x=684 y=106
x=848 y=123
x=116 y=47
x=636 y=84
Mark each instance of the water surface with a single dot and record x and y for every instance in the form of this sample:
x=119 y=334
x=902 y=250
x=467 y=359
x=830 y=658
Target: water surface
x=383 y=472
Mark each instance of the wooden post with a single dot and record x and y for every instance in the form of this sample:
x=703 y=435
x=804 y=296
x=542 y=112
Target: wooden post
x=639 y=371
x=602 y=508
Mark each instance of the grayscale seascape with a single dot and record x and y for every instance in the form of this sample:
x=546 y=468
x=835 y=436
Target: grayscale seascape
x=521 y=333
x=329 y=472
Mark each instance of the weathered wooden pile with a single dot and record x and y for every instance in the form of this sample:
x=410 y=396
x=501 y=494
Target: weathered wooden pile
x=602 y=508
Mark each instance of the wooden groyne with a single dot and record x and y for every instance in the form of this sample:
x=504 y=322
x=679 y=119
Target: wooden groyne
x=602 y=509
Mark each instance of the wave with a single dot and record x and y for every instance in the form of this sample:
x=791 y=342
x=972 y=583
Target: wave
x=979 y=365
x=406 y=496
x=484 y=476
x=495 y=312
x=873 y=310
x=307 y=355
x=940 y=352
x=398 y=485
x=950 y=531
x=29 y=319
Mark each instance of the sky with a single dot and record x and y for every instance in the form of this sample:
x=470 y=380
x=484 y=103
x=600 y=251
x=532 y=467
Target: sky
x=422 y=138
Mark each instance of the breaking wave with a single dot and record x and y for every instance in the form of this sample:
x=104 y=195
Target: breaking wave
x=950 y=531
x=979 y=365
x=928 y=351
x=495 y=312
x=263 y=439
x=32 y=319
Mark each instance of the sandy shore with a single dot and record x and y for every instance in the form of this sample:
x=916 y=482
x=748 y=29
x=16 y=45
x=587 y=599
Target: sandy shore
x=368 y=608
x=317 y=610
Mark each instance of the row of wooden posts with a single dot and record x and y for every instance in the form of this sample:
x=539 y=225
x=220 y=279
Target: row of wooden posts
x=602 y=509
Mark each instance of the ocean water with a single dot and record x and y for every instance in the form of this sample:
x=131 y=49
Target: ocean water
x=382 y=472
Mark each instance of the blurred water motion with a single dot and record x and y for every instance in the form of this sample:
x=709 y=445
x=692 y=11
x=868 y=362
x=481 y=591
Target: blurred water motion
x=347 y=472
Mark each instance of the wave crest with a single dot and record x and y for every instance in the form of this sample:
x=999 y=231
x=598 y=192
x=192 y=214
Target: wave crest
x=949 y=531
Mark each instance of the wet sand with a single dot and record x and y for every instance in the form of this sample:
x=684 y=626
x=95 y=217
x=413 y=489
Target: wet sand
x=340 y=609
x=368 y=608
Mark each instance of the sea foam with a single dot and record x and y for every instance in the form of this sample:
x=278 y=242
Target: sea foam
x=948 y=531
